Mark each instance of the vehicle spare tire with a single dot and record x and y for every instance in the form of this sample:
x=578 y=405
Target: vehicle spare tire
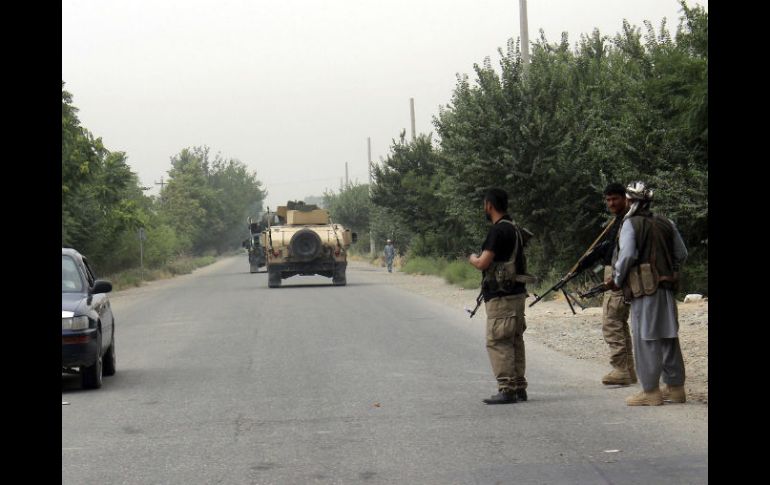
x=305 y=245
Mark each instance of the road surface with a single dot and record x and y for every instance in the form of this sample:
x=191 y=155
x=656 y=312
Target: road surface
x=222 y=380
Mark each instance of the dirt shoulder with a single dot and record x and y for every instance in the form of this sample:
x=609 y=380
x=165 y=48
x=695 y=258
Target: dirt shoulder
x=552 y=324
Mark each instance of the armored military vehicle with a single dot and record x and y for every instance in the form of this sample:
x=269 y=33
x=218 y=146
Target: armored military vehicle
x=256 y=251
x=301 y=239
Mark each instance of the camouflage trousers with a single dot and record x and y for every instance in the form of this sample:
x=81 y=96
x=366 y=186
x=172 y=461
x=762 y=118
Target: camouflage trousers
x=616 y=330
x=505 y=340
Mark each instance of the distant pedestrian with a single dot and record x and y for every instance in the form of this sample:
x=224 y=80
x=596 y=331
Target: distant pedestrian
x=390 y=253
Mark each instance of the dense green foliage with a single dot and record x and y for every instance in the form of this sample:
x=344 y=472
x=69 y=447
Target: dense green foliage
x=202 y=209
x=553 y=134
x=633 y=106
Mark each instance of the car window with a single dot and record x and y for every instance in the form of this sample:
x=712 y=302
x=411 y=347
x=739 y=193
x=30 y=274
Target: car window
x=71 y=280
x=89 y=273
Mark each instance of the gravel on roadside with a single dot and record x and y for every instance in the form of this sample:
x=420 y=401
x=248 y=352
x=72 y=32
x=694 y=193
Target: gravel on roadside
x=552 y=324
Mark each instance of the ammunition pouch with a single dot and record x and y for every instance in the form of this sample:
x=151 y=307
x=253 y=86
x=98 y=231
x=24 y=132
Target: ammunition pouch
x=502 y=275
x=644 y=280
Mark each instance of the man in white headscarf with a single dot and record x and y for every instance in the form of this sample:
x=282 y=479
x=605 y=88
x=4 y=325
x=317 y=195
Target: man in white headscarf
x=648 y=258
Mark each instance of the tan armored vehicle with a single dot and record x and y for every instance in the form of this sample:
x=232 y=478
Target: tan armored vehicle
x=301 y=239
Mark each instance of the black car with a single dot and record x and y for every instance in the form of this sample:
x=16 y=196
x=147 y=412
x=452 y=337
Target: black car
x=87 y=324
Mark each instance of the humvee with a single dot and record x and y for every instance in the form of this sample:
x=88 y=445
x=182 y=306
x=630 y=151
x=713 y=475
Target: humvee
x=301 y=239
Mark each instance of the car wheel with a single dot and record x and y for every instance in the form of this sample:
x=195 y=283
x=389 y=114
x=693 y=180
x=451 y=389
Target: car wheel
x=108 y=364
x=92 y=375
x=339 y=278
x=273 y=279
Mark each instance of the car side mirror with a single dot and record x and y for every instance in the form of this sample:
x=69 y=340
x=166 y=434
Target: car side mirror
x=354 y=237
x=101 y=286
x=245 y=243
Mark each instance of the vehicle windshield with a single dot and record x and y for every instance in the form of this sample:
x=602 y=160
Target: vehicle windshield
x=70 y=277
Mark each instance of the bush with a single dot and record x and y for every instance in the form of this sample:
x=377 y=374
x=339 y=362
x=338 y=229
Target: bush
x=458 y=272
x=694 y=278
x=425 y=265
x=461 y=273
x=161 y=245
x=126 y=279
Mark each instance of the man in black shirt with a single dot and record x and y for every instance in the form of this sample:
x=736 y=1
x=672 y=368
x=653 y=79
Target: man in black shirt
x=504 y=299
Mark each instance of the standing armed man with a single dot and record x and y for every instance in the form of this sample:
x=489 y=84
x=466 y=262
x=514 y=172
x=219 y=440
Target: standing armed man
x=614 y=308
x=649 y=256
x=504 y=298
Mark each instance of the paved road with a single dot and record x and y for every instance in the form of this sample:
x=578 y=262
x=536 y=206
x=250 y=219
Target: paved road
x=222 y=380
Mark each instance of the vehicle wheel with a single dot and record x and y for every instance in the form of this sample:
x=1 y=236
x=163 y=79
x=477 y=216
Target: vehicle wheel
x=273 y=279
x=92 y=375
x=254 y=268
x=108 y=365
x=339 y=278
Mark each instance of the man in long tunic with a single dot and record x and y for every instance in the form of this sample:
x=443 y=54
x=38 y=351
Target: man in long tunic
x=649 y=256
x=390 y=253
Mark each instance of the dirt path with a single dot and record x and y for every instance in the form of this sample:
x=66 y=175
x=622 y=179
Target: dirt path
x=552 y=324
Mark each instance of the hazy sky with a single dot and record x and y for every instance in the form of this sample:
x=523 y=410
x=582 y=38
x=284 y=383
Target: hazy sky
x=293 y=88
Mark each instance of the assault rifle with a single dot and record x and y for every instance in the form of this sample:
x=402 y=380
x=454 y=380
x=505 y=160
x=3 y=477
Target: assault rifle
x=479 y=299
x=573 y=273
x=560 y=286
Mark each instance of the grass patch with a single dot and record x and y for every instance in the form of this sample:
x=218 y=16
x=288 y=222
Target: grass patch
x=425 y=266
x=134 y=277
x=187 y=265
x=459 y=273
x=462 y=274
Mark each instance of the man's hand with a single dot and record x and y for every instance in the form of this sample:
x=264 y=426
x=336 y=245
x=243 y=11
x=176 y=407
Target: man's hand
x=611 y=284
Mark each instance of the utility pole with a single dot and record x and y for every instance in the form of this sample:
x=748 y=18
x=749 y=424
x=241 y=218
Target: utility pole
x=411 y=109
x=346 y=174
x=369 y=158
x=161 y=183
x=524 y=32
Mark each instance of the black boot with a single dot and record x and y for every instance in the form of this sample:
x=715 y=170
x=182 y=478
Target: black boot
x=505 y=396
x=521 y=394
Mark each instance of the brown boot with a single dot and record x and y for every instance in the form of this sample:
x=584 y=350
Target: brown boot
x=642 y=398
x=618 y=377
x=673 y=394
